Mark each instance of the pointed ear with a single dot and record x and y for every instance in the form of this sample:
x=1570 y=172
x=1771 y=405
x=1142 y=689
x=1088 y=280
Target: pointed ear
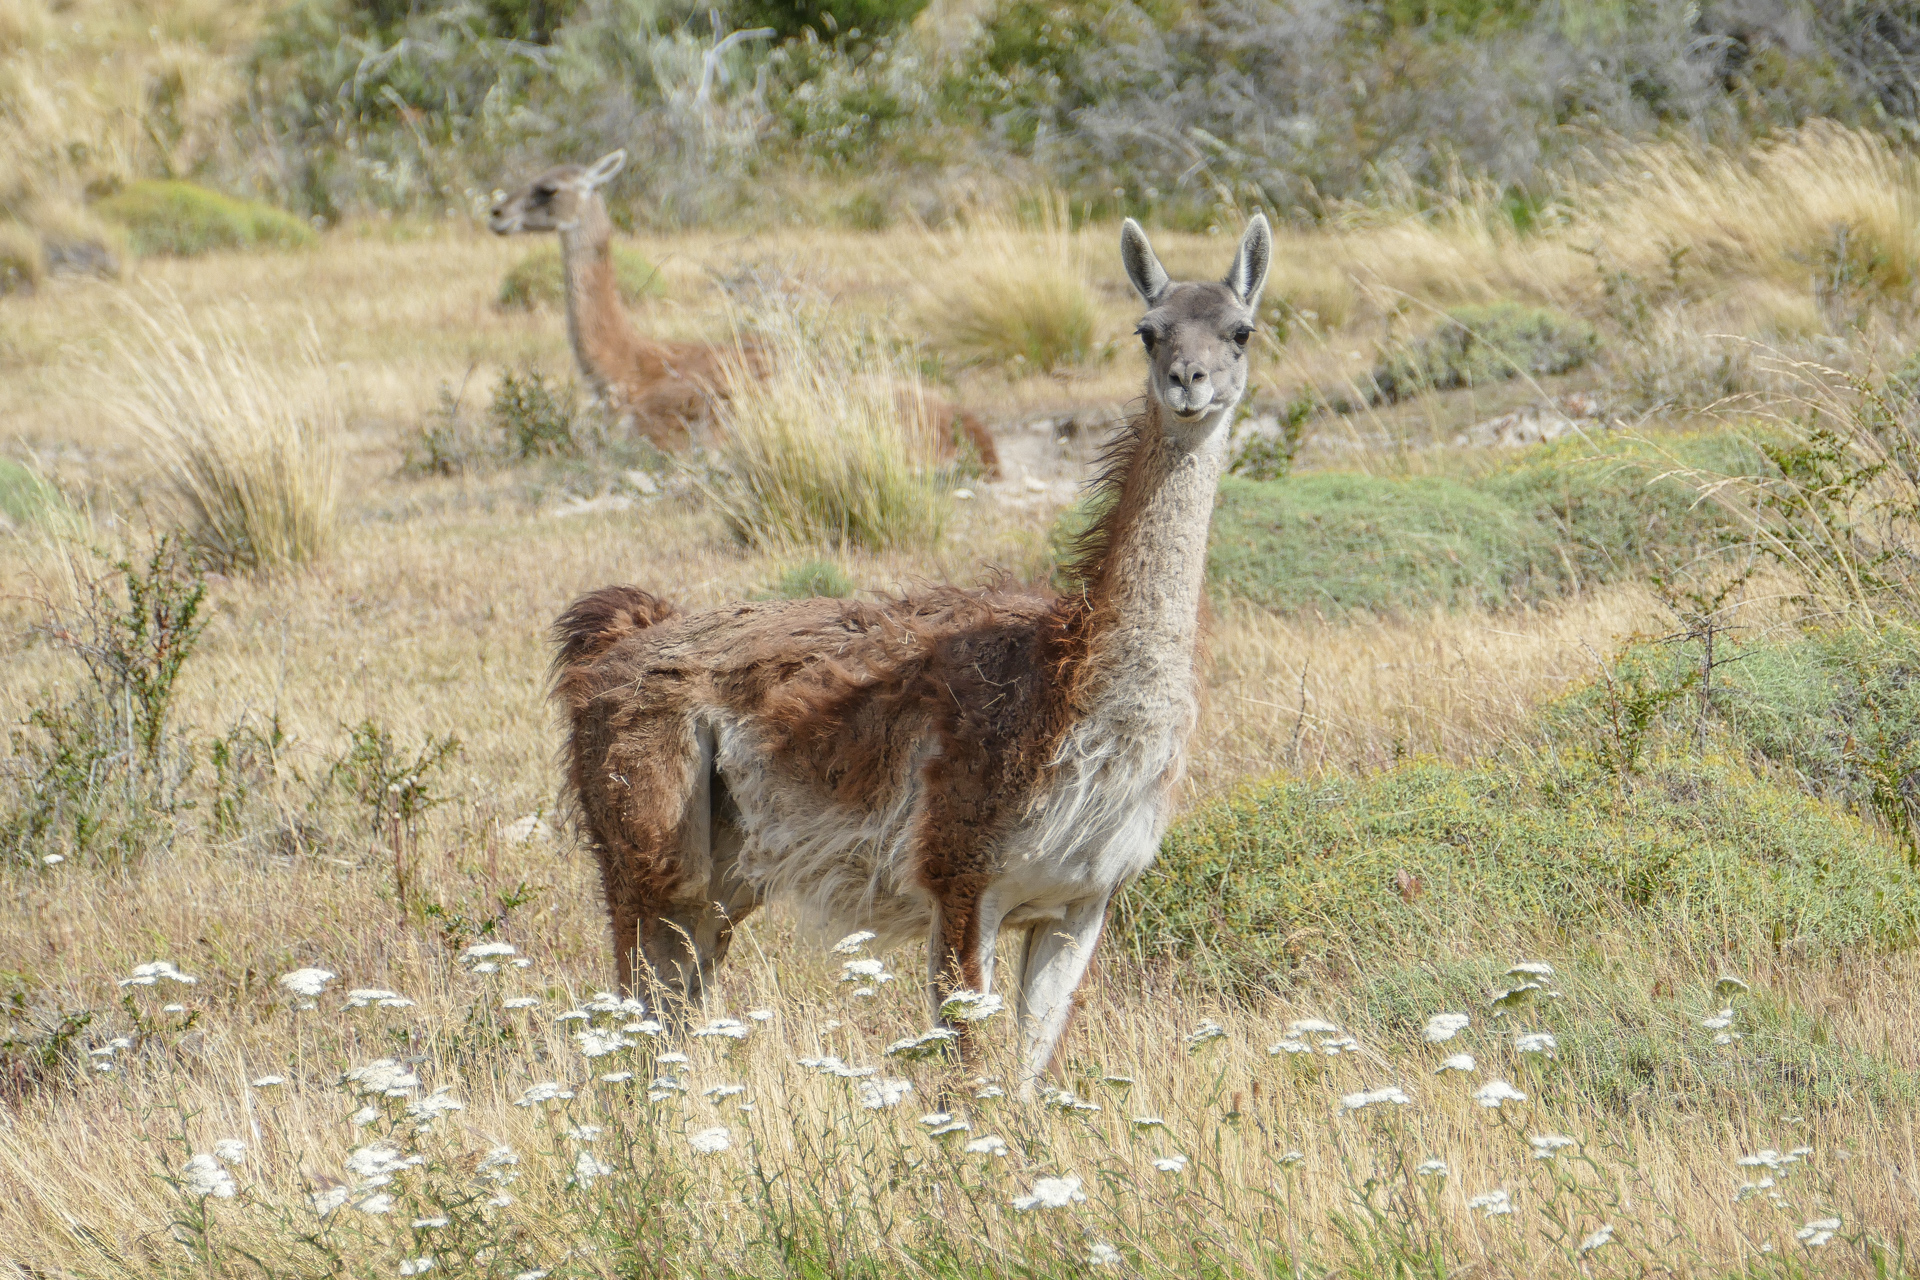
x=1143 y=269
x=1248 y=274
x=604 y=168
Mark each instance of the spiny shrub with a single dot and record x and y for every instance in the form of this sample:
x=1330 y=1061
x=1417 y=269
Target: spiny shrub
x=182 y=219
x=533 y=417
x=539 y=280
x=1473 y=346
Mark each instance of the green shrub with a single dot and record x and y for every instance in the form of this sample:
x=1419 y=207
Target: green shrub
x=1473 y=346
x=183 y=219
x=814 y=578
x=829 y=18
x=534 y=418
x=26 y=498
x=538 y=280
x=1703 y=853
x=1340 y=543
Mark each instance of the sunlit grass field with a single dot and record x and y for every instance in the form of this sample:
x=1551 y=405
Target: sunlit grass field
x=360 y=782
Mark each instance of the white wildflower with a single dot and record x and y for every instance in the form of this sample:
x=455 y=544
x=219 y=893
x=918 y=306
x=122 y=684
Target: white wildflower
x=383 y=1077
x=1066 y=1100
x=598 y=1044
x=376 y=997
x=520 y=1002
x=1726 y=986
x=586 y=1167
x=146 y=975
x=678 y=1061
x=727 y=1028
x=326 y=1201
x=268 y=1082
x=708 y=1142
x=865 y=971
x=987 y=1092
x=665 y=1085
x=1491 y=1203
x=430 y=1224
x=424 y=1111
x=498 y=1165
x=203 y=1176
x=829 y=1065
x=1765 y=1158
x=616 y=1077
x=760 y=1015
x=949 y=1129
x=1387 y=1093
x=1170 y=1164
x=545 y=1091
x=644 y=1027
x=1339 y=1044
x=928 y=1044
x=1535 y=1042
x=1530 y=969
x=53 y=860
x=971 y=1006
x=1719 y=1021
x=531 y=1275
x=991 y=1144
x=1456 y=1062
x=1288 y=1046
x=1727 y=1037
x=1206 y=1033
x=376 y=1163
x=720 y=1091
x=1052 y=1193
x=1434 y=1167
x=1445 y=1026
x=1749 y=1189
x=230 y=1151
x=1495 y=1092
x=1103 y=1255
x=1149 y=1122
x=307 y=982
x=884 y=1092
x=380 y=1202
x=481 y=951
x=863 y=993
x=1603 y=1236
x=1290 y=1158
x=364 y=1117
x=173 y=1008
x=573 y=1015
x=414 y=1266
x=853 y=943
x=1548 y=1145
x=1817 y=1232
x=1311 y=1026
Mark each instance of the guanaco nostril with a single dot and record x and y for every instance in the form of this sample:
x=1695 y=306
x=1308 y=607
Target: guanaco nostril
x=1198 y=375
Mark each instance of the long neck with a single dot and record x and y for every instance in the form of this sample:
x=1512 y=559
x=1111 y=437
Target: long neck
x=1143 y=574
x=609 y=350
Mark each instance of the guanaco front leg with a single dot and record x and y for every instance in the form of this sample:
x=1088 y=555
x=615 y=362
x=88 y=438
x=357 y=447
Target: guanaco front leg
x=1057 y=958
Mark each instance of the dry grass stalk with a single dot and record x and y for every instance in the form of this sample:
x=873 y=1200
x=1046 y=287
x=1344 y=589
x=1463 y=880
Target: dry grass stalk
x=250 y=450
x=1016 y=294
x=830 y=446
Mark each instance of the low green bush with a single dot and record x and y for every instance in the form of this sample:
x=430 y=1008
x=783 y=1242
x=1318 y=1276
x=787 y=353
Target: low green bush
x=1426 y=858
x=814 y=578
x=26 y=498
x=183 y=219
x=537 y=279
x=1339 y=543
x=1473 y=346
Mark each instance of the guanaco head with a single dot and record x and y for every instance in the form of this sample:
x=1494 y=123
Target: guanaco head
x=555 y=200
x=1196 y=334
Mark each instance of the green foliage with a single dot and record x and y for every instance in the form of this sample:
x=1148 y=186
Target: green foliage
x=829 y=18
x=1340 y=543
x=1270 y=457
x=26 y=498
x=1473 y=346
x=538 y=280
x=533 y=417
x=391 y=785
x=1704 y=854
x=97 y=771
x=182 y=219
x=814 y=578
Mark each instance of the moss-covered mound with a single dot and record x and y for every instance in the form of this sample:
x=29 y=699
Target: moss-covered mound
x=183 y=219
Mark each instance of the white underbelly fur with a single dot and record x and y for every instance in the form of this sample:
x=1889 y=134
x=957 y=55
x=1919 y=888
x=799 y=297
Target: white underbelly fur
x=1096 y=826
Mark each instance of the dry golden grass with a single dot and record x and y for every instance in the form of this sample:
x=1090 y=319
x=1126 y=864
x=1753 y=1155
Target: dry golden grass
x=429 y=619
x=1012 y=296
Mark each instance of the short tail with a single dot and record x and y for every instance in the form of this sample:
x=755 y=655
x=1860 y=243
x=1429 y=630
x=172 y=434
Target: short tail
x=601 y=619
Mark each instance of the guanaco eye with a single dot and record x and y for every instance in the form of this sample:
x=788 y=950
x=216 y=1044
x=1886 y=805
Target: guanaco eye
x=1241 y=334
x=1147 y=338
x=545 y=193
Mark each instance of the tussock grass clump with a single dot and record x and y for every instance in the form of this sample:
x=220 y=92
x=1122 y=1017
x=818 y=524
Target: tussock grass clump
x=1479 y=345
x=1017 y=297
x=28 y=500
x=250 y=449
x=182 y=219
x=814 y=578
x=1827 y=201
x=21 y=263
x=822 y=450
x=538 y=279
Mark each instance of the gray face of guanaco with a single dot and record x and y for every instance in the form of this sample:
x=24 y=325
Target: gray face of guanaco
x=554 y=200
x=1196 y=335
